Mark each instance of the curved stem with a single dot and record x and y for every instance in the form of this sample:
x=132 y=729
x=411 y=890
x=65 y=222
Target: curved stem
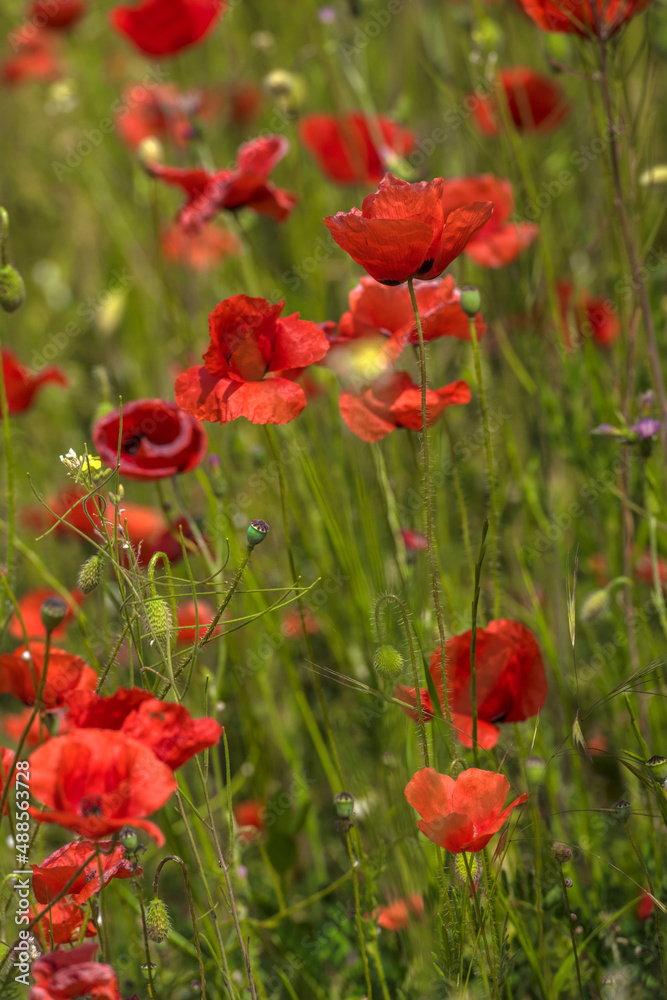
x=193 y=915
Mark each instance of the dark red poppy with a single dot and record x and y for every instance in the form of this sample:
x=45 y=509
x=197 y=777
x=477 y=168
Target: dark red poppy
x=30 y=606
x=166 y=27
x=394 y=401
x=62 y=924
x=202 y=250
x=158 y=440
x=21 y=385
x=583 y=17
x=164 y=112
x=499 y=241
x=168 y=729
x=73 y=973
x=460 y=814
x=589 y=317
x=21 y=673
x=244 y=186
x=534 y=101
x=56 y=14
x=249 y=816
x=251 y=364
x=399 y=914
x=414 y=541
x=36 y=57
x=406 y=231
x=96 y=781
x=58 y=870
x=186 y=620
x=351 y=148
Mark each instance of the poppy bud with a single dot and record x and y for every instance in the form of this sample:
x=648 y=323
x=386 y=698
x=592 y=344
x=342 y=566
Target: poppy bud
x=623 y=810
x=471 y=300
x=90 y=574
x=157 y=921
x=595 y=606
x=657 y=768
x=535 y=770
x=128 y=838
x=561 y=852
x=12 y=289
x=53 y=613
x=286 y=89
x=159 y=619
x=257 y=532
x=388 y=662
x=344 y=803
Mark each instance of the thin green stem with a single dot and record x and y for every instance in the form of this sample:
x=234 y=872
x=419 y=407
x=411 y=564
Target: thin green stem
x=570 y=922
x=357 y=913
x=473 y=643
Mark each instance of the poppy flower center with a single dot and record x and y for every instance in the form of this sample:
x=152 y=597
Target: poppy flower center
x=91 y=805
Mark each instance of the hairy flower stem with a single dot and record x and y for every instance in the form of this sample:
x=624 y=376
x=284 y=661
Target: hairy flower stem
x=193 y=915
x=571 y=928
x=428 y=503
x=471 y=888
x=493 y=513
x=630 y=247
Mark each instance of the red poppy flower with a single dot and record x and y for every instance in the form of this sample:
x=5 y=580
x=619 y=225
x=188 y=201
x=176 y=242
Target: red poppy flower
x=245 y=186
x=164 y=112
x=535 y=103
x=583 y=17
x=36 y=58
x=590 y=317
x=251 y=364
x=499 y=241
x=30 y=606
x=62 y=924
x=158 y=440
x=96 y=781
x=201 y=250
x=406 y=231
x=186 y=620
x=408 y=695
x=14 y=724
x=58 y=870
x=6 y=761
x=644 y=569
x=249 y=816
x=292 y=627
x=414 y=541
x=165 y=27
x=56 y=14
x=394 y=401
x=73 y=973
x=352 y=149
x=398 y=915
x=21 y=673
x=645 y=907
x=21 y=385
x=460 y=814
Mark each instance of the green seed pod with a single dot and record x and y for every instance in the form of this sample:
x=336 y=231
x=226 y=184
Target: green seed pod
x=90 y=574
x=257 y=532
x=471 y=300
x=12 y=289
x=157 y=921
x=657 y=768
x=623 y=810
x=53 y=613
x=388 y=662
x=344 y=803
x=128 y=838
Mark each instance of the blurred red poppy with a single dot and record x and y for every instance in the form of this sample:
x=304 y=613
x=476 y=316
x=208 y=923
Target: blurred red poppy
x=13 y=726
x=186 y=620
x=645 y=907
x=292 y=627
x=394 y=401
x=164 y=112
x=251 y=364
x=644 y=569
x=589 y=317
x=460 y=814
x=62 y=924
x=50 y=876
x=244 y=186
x=583 y=17
x=72 y=973
x=6 y=761
x=414 y=541
x=535 y=103
x=351 y=148
x=406 y=230
x=166 y=27
x=398 y=915
x=499 y=242
x=56 y=14
x=249 y=816
x=201 y=250
x=21 y=385
x=21 y=673
x=36 y=57
x=96 y=781
x=30 y=606
x=158 y=440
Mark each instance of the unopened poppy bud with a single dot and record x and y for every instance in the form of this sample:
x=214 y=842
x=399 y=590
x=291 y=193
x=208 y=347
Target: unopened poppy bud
x=388 y=662
x=53 y=613
x=12 y=289
x=623 y=810
x=257 y=532
x=158 y=615
x=657 y=767
x=157 y=921
x=90 y=574
x=561 y=852
x=128 y=838
x=535 y=770
x=595 y=606
x=471 y=300
x=344 y=803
